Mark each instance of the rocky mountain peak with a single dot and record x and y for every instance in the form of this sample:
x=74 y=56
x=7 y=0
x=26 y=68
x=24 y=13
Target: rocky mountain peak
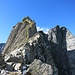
x=36 y=53
x=27 y=18
x=20 y=34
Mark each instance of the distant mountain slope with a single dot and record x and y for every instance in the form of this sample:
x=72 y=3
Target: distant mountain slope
x=2 y=45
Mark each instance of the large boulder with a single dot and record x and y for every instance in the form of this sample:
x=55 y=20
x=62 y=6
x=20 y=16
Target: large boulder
x=14 y=56
x=39 y=68
x=20 y=35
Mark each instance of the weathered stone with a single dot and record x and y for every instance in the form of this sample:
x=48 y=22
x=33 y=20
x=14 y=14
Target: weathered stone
x=25 y=44
x=4 y=72
x=9 y=66
x=37 y=48
x=12 y=58
x=20 y=35
x=57 y=38
x=17 y=66
x=39 y=68
x=70 y=41
x=71 y=57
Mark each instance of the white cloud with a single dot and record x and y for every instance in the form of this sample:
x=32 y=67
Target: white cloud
x=39 y=28
x=45 y=30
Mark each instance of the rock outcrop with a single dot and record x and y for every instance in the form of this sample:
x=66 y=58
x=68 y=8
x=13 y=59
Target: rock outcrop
x=35 y=48
x=40 y=68
x=2 y=45
x=70 y=41
x=28 y=52
x=20 y=35
x=57 y=38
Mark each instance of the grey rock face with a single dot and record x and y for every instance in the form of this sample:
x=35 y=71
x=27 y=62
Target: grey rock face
x=57 y=38
x=20 y=35
x=70 y=40
x=39 y=68
x=40 y=50
x=35 y=48
x=2 y=45
x=47 y=54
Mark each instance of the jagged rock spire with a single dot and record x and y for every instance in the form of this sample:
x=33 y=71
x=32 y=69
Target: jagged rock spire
x=20 y=35
x=26 y=18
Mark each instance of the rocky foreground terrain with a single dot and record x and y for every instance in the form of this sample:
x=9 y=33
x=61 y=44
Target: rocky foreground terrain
x=31 y=52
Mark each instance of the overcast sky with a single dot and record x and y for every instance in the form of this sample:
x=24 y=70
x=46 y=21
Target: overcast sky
x=46 y=13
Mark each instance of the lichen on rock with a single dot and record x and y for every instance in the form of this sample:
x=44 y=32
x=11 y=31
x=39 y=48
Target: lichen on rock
x=20 y=35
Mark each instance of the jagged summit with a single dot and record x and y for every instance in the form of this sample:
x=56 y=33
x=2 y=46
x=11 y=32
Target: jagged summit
x=27 y=18
x=46 y=54
x=58 y=27
x=20 y=35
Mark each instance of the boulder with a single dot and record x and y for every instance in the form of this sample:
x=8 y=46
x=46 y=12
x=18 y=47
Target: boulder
x=12 y=58
x=18 y=66
x=9 y=66
x=39 y=68
x=4 y=72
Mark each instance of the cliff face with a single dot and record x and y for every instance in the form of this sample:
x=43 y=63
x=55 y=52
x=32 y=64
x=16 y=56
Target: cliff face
x=20 y=35
x=57 y=38
x=46 y=54
x=70 y=41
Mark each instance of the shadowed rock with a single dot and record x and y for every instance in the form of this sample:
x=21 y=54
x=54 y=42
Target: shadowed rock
x=2 y=62
x=57 y=38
